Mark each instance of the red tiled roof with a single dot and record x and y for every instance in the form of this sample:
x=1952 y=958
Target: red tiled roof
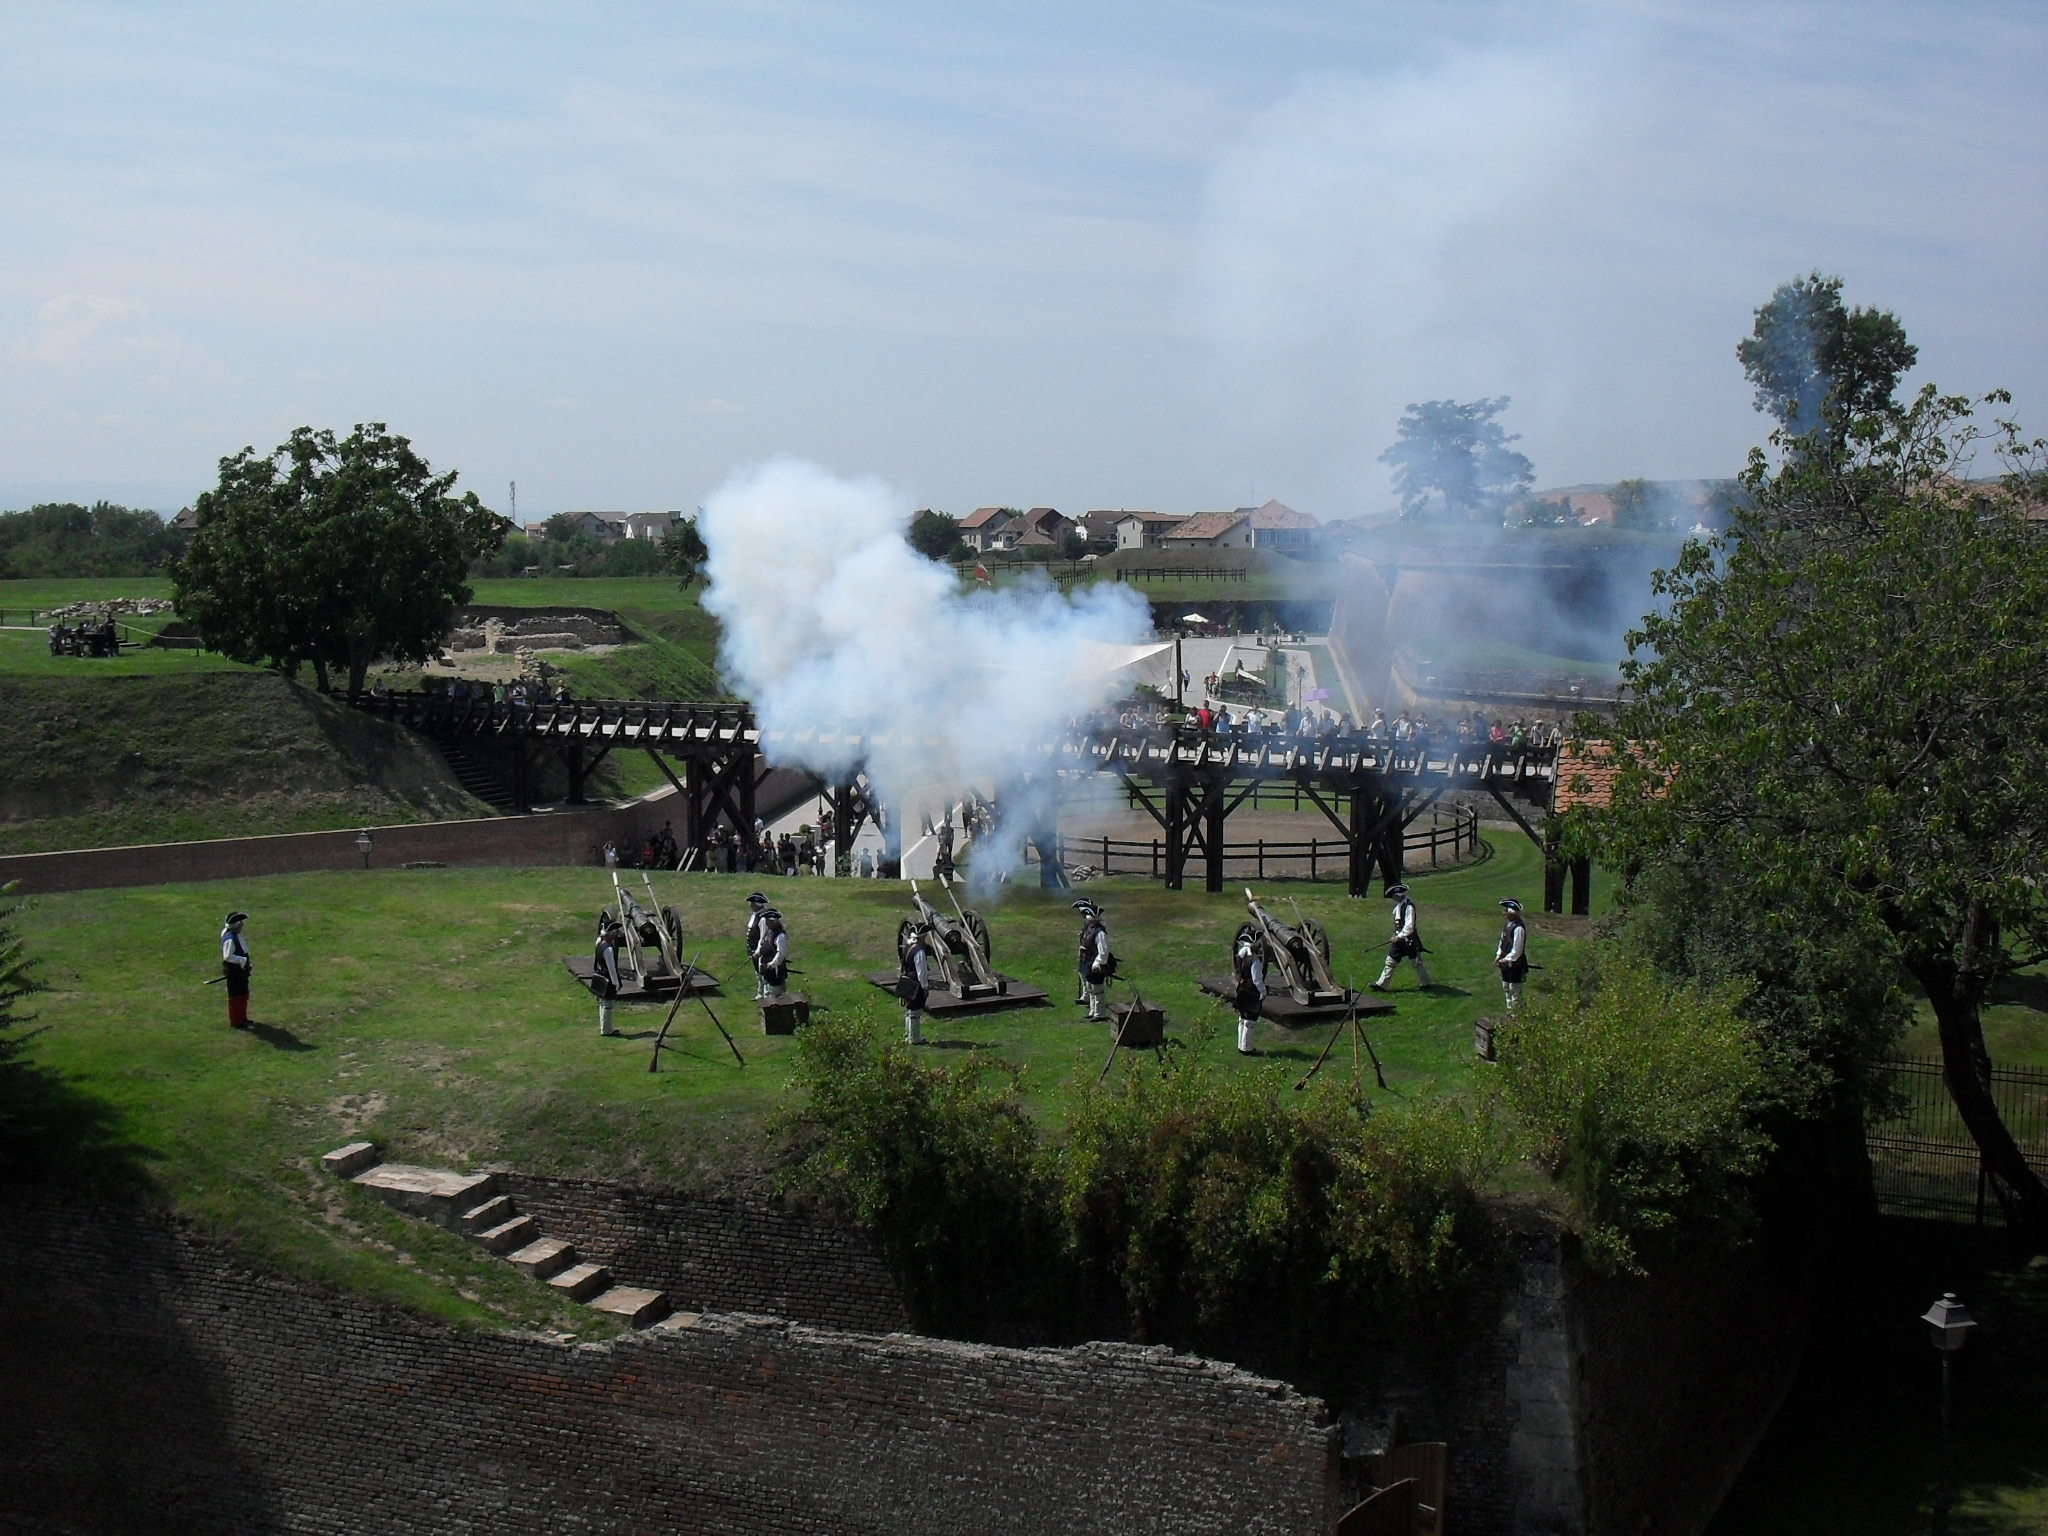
x=1587 y=778
x=1276 y=514
x=981 y=516
x=1207 y=525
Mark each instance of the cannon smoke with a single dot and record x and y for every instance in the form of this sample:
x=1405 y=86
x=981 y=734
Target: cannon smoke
x=854 y=648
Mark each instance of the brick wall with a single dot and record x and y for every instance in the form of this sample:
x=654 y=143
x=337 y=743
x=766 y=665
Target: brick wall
x=155 y=1385
x=722 y=1255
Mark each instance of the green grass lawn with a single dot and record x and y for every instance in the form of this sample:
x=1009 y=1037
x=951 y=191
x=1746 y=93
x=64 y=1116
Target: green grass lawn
x=429 y=1011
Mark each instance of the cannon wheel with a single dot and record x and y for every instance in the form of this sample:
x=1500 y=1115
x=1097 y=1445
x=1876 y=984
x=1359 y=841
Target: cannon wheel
x=979 y=929
x=672 y=920
x=1317 y=935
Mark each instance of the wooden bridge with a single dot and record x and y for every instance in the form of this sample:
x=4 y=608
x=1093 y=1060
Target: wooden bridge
x=717 y=758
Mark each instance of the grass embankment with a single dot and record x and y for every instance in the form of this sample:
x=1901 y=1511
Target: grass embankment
x=101 y=760
x=429 y=1011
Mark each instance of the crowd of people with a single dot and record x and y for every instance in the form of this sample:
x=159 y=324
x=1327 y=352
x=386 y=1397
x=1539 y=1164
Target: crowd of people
x=1467 y=736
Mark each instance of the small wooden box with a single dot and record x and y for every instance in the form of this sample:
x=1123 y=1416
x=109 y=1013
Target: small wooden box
x=782 y=1016
x=1482 y=1039
x=1138 y=1027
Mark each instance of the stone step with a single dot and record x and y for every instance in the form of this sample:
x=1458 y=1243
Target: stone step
x=493 y=1212
x=435 y=1193
x=632 y=1306
x=677 y=1320
x=580 y=1282
x=507 y=1235
x=544 y=1258
x=342 y=1162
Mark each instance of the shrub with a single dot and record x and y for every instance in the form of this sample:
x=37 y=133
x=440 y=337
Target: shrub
x=939 y=1161
x=16 y=983
x=1639 y=1098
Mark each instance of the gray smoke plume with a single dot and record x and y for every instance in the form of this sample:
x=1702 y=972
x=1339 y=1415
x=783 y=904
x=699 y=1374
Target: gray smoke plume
x=854 y=648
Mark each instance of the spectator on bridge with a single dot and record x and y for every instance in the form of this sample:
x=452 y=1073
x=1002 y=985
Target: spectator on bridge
x=785 y=849
x=1254 y=724
x=1345 y=727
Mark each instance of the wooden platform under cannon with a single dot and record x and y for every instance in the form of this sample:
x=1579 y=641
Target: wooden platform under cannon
x=1280 y=1008
x=658 y=988
x=1015 y=994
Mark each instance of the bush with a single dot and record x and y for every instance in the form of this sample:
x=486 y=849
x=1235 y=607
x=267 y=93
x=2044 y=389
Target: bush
x=939 y=1161
x=1639 y=1098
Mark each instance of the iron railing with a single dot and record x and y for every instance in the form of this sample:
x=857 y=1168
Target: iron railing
x=1451 y=835
x=1923 y=1159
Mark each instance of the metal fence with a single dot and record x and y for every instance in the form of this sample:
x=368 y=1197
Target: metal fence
x=1451 y=835
x=1923 y=1159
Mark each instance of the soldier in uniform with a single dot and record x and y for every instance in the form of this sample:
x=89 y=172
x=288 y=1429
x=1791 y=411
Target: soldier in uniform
x=604 y=965
x=236 y=966
x=1512 y=955
x=771 y=956
x=1094 y=960
x=756 y=905
x=1248 y=968
x=1406 y=944
x=913 y=980
x=942 y=865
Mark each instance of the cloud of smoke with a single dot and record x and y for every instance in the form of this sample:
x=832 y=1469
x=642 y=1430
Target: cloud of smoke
x=836 y=629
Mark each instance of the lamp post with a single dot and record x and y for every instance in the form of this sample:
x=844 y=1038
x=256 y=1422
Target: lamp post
x=1949 y=1322
x=363 y=844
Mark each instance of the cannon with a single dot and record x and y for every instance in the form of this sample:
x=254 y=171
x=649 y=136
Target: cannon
x=1297 y=958
x=960 y=945
x=651 y=958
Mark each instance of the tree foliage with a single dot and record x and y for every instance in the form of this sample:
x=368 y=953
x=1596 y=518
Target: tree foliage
x=65 y=539
x=1843 y=715
x=17 y=981
x=935 y=535
x=1815 y=362
x=330 y=553
x=1641 y=1099
x=1451 y=460
x=684 y=552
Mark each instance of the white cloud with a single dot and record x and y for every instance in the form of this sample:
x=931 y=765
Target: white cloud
x=77 y=327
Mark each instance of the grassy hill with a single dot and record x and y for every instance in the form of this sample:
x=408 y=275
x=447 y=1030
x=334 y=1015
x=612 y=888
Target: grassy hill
x=429 y=1010
x=100 y=759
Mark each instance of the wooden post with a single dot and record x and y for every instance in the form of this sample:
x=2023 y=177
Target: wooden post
x=1176 y=830
x=1213 y=812
x=1582 y=887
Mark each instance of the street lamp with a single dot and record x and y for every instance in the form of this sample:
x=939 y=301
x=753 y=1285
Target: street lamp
x=1949 y=1322
x=363 y=842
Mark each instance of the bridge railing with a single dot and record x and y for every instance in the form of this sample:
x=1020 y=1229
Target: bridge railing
x=1451 y=836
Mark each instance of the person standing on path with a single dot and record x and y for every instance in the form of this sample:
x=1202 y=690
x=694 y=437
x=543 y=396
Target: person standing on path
x=1512 y=955
x=604 y=980
x=1406 y=944
x=236 y=966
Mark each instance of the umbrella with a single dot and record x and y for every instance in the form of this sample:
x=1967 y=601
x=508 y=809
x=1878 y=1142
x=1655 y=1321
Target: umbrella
x=1314 y=694
x=1193 y=618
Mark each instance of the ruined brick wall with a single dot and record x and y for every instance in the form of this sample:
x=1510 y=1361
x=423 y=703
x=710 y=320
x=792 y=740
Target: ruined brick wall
x=722 y=1255
x=155 y=1385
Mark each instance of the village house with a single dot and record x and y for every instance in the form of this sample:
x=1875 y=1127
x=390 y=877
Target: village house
x=1283 y=530
x=1211 y=530
x=1144 y=530
x=980 y=528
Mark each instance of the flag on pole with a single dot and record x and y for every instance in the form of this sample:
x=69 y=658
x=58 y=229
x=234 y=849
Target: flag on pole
x=981 y=574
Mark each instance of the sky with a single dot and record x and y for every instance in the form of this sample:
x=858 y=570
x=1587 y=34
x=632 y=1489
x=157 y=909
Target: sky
x=1087 y=255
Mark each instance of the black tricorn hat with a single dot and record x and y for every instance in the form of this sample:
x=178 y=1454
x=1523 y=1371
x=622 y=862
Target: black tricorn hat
x=237 y=917
x=756 y=896
x=1396 y=892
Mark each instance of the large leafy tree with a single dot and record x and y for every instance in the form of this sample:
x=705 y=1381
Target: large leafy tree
x=684 y=551
x=935 y=535
x=1816 y=363
x=65 y=539
x=1451 y=460
x=1841 y=725
x=331 y=553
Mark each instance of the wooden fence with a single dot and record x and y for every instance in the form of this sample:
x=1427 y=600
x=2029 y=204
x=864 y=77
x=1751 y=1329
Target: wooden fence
x=1451 y=836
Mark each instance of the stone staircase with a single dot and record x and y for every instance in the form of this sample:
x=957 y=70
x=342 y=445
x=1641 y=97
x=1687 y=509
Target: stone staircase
x=475 y=1205
x=475 y=777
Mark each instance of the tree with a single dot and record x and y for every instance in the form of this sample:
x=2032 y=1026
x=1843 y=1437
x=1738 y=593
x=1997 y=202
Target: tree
x=1639 y=505
x=684 y=552
x=17 y=981
x=1075 y=544
x=1556 y=512
x=65 y=539
x=330 y=553
x=1459 y=455
x=1816 y=363
x=1842 y=715
x=935 y=535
